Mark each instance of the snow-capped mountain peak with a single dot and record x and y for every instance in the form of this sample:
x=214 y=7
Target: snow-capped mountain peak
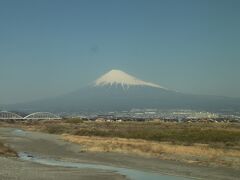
x=118 y=77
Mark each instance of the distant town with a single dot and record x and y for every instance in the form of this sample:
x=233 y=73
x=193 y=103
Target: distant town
x=175 y=115
x=172 y=115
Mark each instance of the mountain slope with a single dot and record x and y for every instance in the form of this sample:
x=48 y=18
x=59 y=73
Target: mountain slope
x=117 y=90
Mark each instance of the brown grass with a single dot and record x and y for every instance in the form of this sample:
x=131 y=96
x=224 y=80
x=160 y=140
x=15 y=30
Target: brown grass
x=225 y=135
x=166 y=150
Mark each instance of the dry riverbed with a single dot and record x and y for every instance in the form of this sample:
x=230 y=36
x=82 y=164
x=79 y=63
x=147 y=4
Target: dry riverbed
x=184 y=160
x=207 y=144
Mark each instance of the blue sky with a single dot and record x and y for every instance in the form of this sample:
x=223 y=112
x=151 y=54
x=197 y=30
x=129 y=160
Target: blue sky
x=52 y=47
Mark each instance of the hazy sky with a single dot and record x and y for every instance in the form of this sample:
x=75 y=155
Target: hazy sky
x=50 y=47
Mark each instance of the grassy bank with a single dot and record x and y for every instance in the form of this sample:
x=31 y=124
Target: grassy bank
x=214 y=134
x=196 y=153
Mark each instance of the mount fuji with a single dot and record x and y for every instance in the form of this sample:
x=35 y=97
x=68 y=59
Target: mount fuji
x=116 y=91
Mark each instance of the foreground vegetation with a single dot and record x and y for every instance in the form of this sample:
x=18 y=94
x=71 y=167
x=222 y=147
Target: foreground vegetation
x=214 y=134
x=6 y=151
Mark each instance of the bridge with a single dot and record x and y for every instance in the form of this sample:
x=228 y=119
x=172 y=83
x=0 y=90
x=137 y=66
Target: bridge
x=9 y=115
x=42 y=115
x=5 y=115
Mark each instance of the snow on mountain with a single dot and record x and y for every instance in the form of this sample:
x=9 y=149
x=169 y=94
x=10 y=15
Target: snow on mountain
x=118 y=77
